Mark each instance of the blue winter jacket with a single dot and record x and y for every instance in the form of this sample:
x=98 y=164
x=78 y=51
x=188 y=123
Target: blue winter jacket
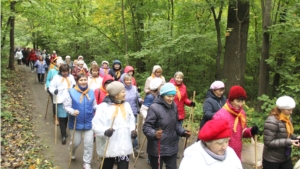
x=40 y=67
x=85 y=108
x=148 y=99
x=50 y=76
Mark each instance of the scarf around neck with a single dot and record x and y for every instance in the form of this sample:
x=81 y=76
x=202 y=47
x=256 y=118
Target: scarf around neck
x=213 y=155
x=288 y=125
x=67 y=80
x=83 y=93
x=238 y=116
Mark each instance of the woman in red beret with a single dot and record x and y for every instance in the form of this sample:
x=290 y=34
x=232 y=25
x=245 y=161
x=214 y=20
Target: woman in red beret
x=212 y=151
x=236 y=116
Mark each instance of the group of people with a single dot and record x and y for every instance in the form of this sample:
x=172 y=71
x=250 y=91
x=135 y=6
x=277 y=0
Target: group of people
x=102 y=104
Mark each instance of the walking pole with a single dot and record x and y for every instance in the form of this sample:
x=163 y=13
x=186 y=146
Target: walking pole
x=255 y=150
x=139 y=151
x=133 y=155
x=191 y=118
x=47 y=106
x=35 y=77
x=71 y=149
x=55 y=121
x=158 y=152
x=112 y=123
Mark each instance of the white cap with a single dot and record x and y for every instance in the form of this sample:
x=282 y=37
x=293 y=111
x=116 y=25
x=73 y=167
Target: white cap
x=68 y=57
x=285 y=102
x=80 y=62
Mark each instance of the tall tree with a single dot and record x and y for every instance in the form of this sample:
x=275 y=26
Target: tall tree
x=11 y=65
x=236 y=43
x=263 y=67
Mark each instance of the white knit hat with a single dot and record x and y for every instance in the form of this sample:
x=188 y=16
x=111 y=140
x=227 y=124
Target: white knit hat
x=285 y=102
x=59 y=61
x=80 y=62
x=155 y=67
x=114 y=88
x=104 y=61
x=217 y=85
x=155 y=83
x=80 y=57
x=68 y=57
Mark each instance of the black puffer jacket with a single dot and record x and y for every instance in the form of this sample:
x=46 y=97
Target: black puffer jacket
x=162 y=115
x=276 y=140
x=210 y=106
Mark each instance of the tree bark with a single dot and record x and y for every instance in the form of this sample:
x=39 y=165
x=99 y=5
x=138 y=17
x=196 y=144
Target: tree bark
x=263 y=67
x=125 y=33
x=11 y=64
x=236 y=43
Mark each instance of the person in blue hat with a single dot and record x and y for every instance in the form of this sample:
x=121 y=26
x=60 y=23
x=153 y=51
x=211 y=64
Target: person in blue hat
x=162 y=129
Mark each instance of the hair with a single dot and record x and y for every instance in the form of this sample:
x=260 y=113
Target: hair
x=94 y=67
x=64 y=68
x=159 y=69
x=80 y=76
x=219 y=141
x=275 y=112
x=127 y=76
x=178 y=73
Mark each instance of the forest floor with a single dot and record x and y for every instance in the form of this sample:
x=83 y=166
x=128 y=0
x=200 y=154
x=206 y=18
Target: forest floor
x=27 y=138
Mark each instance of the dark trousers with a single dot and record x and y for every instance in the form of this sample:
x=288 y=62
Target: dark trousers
x=121 y=163
x=63 y=123
x=53 y=105
x=170 y=161
x=19 y=61
x=40 y=77
x=284 y=165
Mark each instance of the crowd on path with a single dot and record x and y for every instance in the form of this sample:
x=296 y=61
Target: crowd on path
x=102 y=104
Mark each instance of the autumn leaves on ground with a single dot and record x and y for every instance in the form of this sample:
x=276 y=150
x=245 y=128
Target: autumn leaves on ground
x=20 y=147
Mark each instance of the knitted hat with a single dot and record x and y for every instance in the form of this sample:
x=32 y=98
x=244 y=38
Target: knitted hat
x=54 y=51
x=80 y=57
x=215 y=129
x=68 y=57
x=167 y=89
x=104 y=61
x=236 y=92
x=117 y=62
x=114 y=88
x=155 y=83
x=285 y=102
x=59 y=61
x=80 y=62
x=217 y=85
x=155 y=67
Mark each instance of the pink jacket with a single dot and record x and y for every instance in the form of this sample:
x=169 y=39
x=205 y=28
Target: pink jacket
x=235 y=141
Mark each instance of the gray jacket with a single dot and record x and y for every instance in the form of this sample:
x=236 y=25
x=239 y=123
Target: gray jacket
x=164 y=116
x=276 y=140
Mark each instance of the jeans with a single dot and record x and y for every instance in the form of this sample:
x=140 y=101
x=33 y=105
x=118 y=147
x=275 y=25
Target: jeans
x=40 y=77
x=31 y=63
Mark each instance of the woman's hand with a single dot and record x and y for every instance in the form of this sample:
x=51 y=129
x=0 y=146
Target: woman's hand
x=187 y=134
x=76 y=112
x=158 y=133
x=295 y=143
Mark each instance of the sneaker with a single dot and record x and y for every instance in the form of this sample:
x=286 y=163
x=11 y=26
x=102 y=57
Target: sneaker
x=86 y=166
x=73 y=157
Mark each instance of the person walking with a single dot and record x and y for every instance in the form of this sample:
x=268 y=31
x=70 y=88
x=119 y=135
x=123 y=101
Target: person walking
x=279 y=136
x=214 y=101
x=156 y=73
x=79 y=69
x=69 y=62
x=130 y=70
x=100 y=92
x=31 y=59
x=41 y=68
x=104 y=69
x=114 y=119
x=80 y=103
x=162 y=129
x=94 y=80
x=236 y=116
x=116 y=71
x=212 y=151
x=53 y=56
x=19 y=56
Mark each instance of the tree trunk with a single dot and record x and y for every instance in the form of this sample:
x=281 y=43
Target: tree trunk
x=263 y=67
x=11 y=64
x=125 y=33
x=236 y=43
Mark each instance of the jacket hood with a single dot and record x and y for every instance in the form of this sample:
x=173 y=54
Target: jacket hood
x=160 y=100
x=210 y=94
x=105 y=79
x=128 y=69
x=117 y=62
x=122 y=81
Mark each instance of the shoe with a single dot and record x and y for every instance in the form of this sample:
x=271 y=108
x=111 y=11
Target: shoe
x=31 y=71
x=178 y=156
x=148 y=161
x=63 y=140
x=86 y=166
x=73 y=157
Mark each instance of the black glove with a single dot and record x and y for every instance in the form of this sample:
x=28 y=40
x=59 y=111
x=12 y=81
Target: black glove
x=109 y=132
x=254 y=130
x=139 y=90
x=56 y=91
x=46 y=69
x=74 y=86
x=133 y=134
x=193 y=104
x=48 y=90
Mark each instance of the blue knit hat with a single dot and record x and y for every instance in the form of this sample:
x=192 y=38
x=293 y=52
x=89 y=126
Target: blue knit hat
x=167 y=89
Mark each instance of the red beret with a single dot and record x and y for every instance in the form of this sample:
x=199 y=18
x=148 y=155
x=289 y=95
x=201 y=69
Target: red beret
x=236 y=92
x=215 y=129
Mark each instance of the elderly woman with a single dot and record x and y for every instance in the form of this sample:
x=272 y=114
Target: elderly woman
x=114 y=119
x=279 y=135
x=41 y=67
x=236 y=116
x=79 y=69
x=156 y=73
x=162 y=129
x=69 y=62
x=212 y=151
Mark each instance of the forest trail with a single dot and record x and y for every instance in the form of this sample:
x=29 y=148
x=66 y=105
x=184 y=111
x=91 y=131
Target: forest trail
x=58 y=153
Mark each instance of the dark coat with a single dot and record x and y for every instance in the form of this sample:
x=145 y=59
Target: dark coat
x=162 y=115
x=211 y=105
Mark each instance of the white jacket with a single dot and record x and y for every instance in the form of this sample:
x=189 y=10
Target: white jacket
x=120 y=143
x=19 y=55
x=95 y=84
x=196 y=157
x=57 y=83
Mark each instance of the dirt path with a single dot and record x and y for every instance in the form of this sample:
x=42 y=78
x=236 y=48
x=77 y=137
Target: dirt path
x=59 y=153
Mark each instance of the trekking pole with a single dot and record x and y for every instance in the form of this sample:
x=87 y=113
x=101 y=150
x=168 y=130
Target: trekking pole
x=112 y=123
x=190 y=120
x=71 y=149
x=158 y=152
x=35 y=77
x=139 y=151
x=133 y=155
x=47 y=106
x=255 y=150
x=55 y=128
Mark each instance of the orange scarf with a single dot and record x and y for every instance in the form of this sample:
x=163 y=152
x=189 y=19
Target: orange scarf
x=118 y=73
x=101 y=88
x=288 y=125
x=105 y=71
x=65 y=79
x=178 y=93
x=82 y=71
x=83 y=93
x=93 y=79
x=239 y=116
x=121 y=106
